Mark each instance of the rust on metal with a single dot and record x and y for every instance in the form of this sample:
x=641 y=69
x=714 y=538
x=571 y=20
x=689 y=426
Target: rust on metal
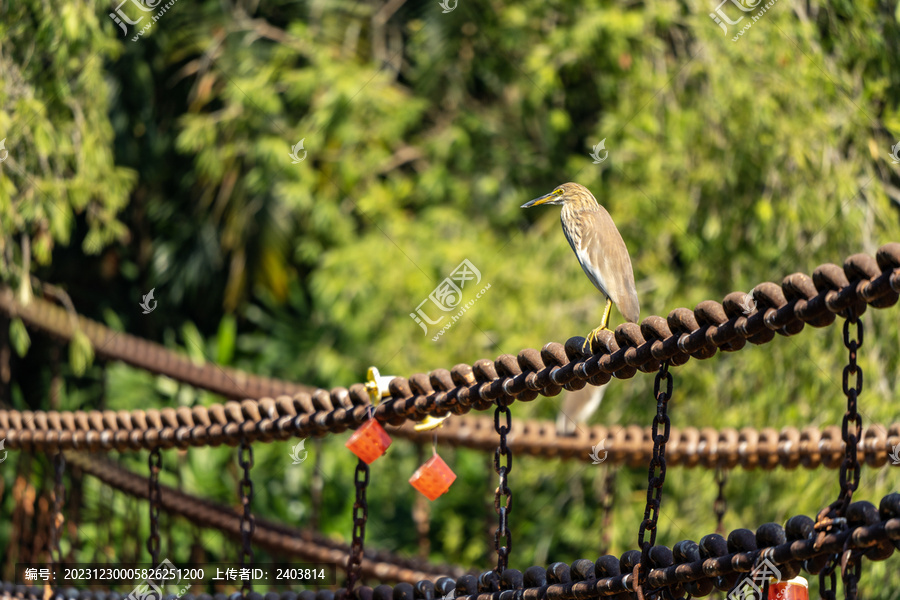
x=268 y=535
x=863 y=281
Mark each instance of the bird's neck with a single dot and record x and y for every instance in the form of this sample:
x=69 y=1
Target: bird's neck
x=570 y=210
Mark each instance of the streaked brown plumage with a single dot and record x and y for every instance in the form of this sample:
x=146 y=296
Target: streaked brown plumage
x=599 y=248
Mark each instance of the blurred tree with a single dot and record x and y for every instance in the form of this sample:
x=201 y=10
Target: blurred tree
x=730 y=163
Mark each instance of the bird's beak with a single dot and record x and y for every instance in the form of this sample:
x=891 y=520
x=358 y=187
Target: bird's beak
x=538 y=201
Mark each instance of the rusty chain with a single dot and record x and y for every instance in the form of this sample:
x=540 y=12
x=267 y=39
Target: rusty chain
x=691 y=447
x=720 y=505
x=785 y=309
x=277 y=538
x=828 y=580
x=50 y=318
x=360 y=516
x=59 y=493
x=833 y=517
x=540 y=587
x=851 y=570
x=502 y=491
x=658 y=461
x=850 y=467
x=248 y=524
x=155 y=462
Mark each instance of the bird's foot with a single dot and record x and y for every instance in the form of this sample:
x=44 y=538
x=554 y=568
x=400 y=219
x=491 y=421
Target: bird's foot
x=588 y=345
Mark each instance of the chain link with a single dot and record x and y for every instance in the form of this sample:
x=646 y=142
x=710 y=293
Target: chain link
x=155 y=462
x=360 y=516
x=59 y=493
x=658 y=460
x=851 y=567
x=828 y=580
x=850 y=468
x=504 y=507
x=721 y=504
x=833 y=517
x=248 y=524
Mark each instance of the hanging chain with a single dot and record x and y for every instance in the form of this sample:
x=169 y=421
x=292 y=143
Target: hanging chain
x=851 y=566
x=655 y=481
x=833 y=516
x=720 y=505
x=59 y=493
x=850 y=469
x=248 y=525
x=155 y=462
x=828 y=581
x=607 y=500
x=360 y=516
x=502 y=509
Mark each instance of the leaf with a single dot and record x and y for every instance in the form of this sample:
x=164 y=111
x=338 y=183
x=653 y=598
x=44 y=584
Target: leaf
x=226 y=338
x=194 y=343
x=18 y=336
x=81 y=353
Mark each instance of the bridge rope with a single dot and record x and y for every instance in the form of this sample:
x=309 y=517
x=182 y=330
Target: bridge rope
x=716 y=562
x=61 y=324
x=269 y=535
x=632 y=445
x=863 y=281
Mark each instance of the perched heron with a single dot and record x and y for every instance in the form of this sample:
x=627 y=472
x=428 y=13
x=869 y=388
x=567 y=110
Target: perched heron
x=599 y=248
x=577 y=407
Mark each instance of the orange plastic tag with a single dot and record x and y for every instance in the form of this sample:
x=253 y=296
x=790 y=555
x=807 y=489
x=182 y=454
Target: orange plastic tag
x=795 y=589
x=433 y=478
x=369 y=441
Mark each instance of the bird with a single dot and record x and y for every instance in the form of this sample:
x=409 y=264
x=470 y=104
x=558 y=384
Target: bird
x=577 y=407
x=599 y=247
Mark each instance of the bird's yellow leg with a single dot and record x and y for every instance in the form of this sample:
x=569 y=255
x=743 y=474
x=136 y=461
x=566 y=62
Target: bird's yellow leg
x=588 y=343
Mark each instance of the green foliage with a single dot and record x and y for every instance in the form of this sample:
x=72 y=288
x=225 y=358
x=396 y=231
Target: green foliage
x=54 y=103
x=18 y=336
x=730 y=163
x=81 y=353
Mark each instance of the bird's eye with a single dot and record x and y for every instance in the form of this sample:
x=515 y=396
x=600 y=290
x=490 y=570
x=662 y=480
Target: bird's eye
x=558 y=192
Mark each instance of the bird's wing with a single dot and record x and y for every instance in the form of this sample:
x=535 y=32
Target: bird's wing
x=574 y=225
x=609 y=264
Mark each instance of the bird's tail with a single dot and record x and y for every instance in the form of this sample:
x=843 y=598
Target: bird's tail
x=630 y=308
